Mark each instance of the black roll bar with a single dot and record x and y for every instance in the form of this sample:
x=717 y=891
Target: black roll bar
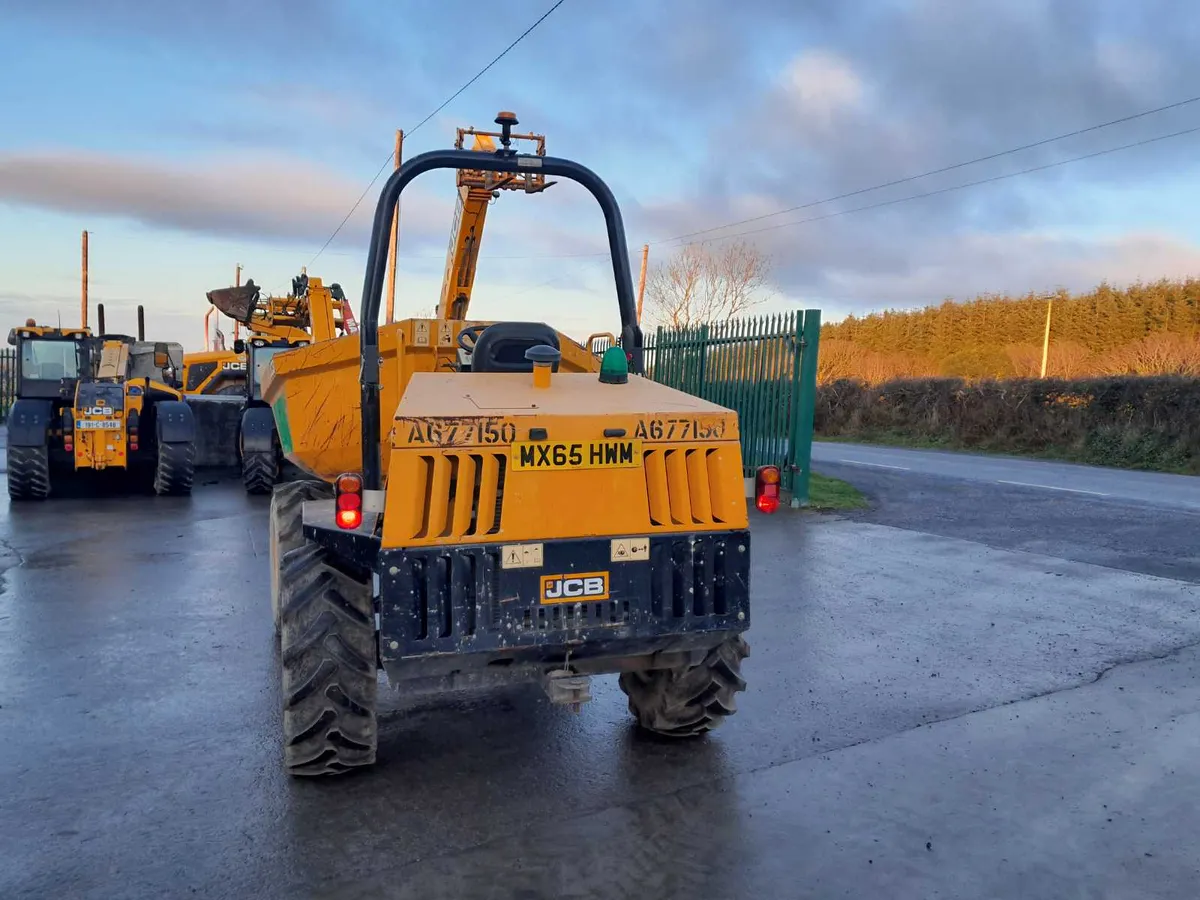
x=501 y=161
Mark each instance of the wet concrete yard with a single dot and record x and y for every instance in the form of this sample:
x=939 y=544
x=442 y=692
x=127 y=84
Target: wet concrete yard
x=932 y=711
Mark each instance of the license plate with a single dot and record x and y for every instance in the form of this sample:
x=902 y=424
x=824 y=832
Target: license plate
x=548 y=455
x=98 y=424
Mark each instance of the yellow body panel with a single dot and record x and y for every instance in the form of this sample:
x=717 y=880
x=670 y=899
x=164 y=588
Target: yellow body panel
x=104 y=448
x=315 y=393
x=453 y=430
x=222 y=358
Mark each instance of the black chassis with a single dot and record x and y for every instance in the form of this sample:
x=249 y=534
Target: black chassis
x=453 y=617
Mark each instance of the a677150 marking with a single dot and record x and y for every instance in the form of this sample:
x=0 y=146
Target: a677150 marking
x=680 y=428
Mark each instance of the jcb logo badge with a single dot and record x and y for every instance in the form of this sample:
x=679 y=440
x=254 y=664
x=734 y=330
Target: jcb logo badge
x=234 y=366
x=575 y=588
x=99 y=410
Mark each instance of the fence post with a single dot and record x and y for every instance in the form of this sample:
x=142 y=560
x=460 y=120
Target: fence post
x=804 y=404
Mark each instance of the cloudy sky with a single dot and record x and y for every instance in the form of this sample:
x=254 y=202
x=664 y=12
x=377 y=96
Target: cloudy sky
x=189 y=137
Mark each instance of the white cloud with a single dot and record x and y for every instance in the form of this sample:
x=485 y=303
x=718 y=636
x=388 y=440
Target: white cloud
x=276 y=197
x=820 y=84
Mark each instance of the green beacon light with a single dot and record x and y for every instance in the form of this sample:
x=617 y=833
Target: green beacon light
x=614 y=368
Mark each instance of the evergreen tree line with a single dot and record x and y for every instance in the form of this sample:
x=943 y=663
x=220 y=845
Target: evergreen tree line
x=1144 y=329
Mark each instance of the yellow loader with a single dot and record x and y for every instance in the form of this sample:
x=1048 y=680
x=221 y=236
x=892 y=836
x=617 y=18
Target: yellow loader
x=100 y=403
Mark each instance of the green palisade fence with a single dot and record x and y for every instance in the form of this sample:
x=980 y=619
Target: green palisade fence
x=8 y=381
x=765 y=368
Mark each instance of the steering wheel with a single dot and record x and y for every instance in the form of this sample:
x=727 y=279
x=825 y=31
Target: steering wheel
x=473 y=331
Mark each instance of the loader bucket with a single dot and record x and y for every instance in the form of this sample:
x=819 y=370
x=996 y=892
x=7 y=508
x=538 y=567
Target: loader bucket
x=218 y=423
x=236 y=302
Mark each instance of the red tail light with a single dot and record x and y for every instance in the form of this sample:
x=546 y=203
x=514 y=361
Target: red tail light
x=348 y=495
x=766 y=489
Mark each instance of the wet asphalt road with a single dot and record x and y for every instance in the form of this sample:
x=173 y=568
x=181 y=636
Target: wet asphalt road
x=1157 y=489
x=941 y=703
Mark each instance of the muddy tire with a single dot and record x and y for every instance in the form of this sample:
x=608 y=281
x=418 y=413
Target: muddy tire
x=260 y=471
x=285 y=527
x=689 y=700
x=175 y=468
x=327 y=629
x=28 y=473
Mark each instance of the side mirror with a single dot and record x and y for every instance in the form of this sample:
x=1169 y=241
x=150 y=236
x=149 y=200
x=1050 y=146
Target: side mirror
x=239 y=346
x=161 y=358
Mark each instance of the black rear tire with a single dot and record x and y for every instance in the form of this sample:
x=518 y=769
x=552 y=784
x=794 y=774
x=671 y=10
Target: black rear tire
x=285 y=527
x=28 y=473
x=260 y=471
x=327 y=625
x=175 y=468
x=689 y=700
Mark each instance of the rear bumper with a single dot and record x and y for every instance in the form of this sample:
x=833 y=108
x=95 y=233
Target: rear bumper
x=449 y=608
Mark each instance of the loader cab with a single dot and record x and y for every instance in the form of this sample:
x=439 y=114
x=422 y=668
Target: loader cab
x=49 y=360
x=259 y=353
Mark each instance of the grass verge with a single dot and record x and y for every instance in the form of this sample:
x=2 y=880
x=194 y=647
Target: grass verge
x=831 y=493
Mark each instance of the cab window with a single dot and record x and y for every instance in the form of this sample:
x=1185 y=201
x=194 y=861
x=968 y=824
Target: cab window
x=49 y=360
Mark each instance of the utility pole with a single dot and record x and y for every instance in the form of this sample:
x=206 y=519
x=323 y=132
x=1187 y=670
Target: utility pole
x=83 y=296
x=391 y=272
x=642 y=281
x=237 y=282
x=1046 y=340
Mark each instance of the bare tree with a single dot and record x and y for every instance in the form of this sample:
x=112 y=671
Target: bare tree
x=1157 y=354
x=705 y=283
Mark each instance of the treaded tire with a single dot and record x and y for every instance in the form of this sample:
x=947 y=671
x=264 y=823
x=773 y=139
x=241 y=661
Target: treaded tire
x=285 y=526
x=327 y=625
x=28 y=473
x=175 y=468
x=690 y=700
x=260 y=471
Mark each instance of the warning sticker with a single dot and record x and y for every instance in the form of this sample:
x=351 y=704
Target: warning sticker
x=630 y=549
x=521 y=556
x=421 y=333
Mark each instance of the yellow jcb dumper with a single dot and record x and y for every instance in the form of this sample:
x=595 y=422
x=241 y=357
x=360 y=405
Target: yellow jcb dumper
x=109 y=401
x=490 y=503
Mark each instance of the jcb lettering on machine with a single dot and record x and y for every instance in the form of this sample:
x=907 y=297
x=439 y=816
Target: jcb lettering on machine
x=586 y=586
x=580 y=455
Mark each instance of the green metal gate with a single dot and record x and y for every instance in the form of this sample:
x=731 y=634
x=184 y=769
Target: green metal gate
x=765 y=368
x=8 y=381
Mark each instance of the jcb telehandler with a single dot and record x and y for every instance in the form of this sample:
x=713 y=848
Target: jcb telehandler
x=494 y=504
x=98 y=402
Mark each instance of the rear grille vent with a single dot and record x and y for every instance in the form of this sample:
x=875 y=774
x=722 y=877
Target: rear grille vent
x=690 y=578
x=683 y=486
x=463 y=492
x=450 y=593
x=565 y=616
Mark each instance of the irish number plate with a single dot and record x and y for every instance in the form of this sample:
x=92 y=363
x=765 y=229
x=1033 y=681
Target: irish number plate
x=546 y=455
x=98 y=424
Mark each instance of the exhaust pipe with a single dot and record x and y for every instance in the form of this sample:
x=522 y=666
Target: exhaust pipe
x=141 y=323
x=100 y=318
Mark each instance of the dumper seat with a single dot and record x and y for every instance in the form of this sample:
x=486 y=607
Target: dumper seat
x=501 y=347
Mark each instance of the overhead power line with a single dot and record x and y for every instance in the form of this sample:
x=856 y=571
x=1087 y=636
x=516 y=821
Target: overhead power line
x=960 y=165
x=955 y=187
x=388 y=160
